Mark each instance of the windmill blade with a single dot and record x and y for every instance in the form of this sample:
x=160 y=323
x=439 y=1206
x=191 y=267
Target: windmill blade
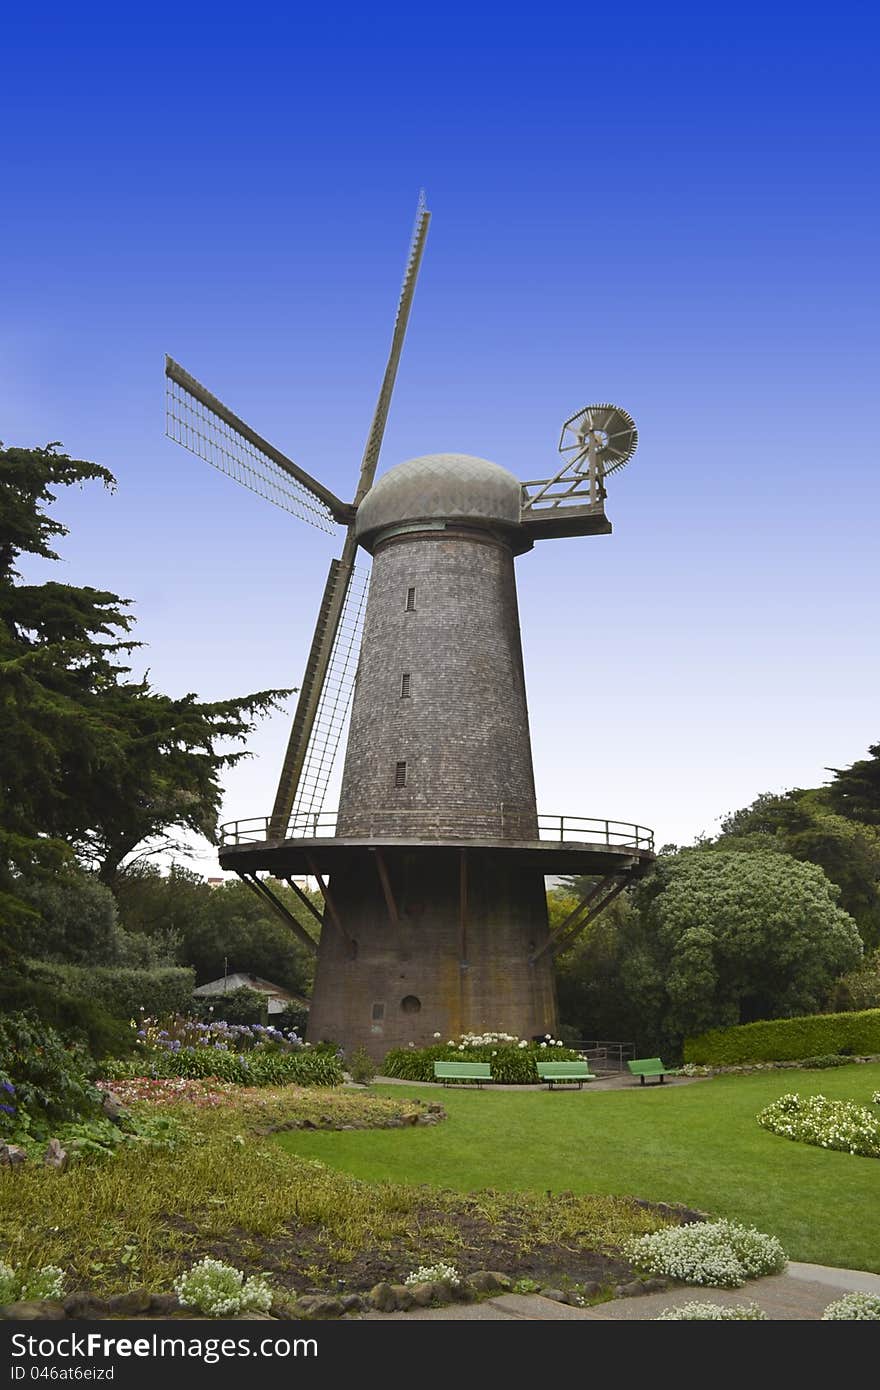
x=332 y=710
x=336 y=591
x=197 y=420
x=404 y=304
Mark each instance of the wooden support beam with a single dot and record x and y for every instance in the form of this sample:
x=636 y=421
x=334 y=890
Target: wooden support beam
x=385 y=881
x=600 y=895
x=305 y=900
x=331 y=906
x=263 y=890
x=462 y=905
x=563 y=928
x=592 y=914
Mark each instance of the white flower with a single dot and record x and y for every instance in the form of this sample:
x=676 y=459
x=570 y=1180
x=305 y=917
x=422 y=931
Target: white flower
x=853 y=1307
x=543 y=1044
x=523 y=1043
x=436 y=1035
x=548 y=1036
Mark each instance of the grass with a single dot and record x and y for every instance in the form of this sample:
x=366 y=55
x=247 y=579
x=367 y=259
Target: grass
x=232 y=1191
x=698 y=1145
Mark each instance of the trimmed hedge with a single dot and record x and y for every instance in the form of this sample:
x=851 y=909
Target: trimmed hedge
x=122 y=990
x=512 y=1066
x=787 y=1039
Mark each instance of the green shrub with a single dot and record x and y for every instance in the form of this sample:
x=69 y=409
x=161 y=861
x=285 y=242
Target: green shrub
x=42 y=1080
x=74 y=1016
x=302 y=1068
x=788 y=1039
x=361 y=1067
x=123 y=991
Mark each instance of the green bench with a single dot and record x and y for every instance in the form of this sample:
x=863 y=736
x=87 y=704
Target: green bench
x=643 y=1067
x=462 y=1071
x=565 y=1073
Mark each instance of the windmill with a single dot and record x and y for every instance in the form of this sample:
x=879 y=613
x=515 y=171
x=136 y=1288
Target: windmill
x=432 y=869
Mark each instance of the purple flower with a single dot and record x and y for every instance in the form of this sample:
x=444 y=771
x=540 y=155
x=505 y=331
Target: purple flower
x=10 y=1109
x=8 y=1086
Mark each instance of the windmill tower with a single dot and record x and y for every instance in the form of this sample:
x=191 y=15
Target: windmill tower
x=432 y=870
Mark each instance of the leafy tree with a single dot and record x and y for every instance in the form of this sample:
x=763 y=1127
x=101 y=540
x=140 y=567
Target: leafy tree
x=218 y=929
x=743 y=937
x=79 y=925
x=855 y=791
x=805 y=825
x=712 y=938
x=91 y=760
x=859 y=988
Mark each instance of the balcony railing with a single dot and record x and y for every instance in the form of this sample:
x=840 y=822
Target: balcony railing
x=491 y=823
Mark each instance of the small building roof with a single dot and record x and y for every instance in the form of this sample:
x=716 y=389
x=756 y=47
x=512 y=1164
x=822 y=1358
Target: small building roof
x=240 y=979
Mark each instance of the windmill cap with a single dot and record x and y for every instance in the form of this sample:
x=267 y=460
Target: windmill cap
x=439 y=487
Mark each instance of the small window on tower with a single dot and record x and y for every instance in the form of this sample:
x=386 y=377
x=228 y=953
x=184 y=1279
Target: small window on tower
x=400 y=775
x=378 y=1013
x=405 y=684
x=410 y=600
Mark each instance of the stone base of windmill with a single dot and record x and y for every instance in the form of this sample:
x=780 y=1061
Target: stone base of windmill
x=450 y=958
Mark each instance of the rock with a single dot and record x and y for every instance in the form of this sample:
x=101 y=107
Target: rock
x=85 y=1305
x=55 y=1156
x=402 y=1296
x=34 y=1310
x=422 y=1294
x=556 y=1294
x=381 y=1296
x=435 y=1108
x=411 y=1119
x=591 y=1288
x=655 y=1285
x=308 y=1124
x=12 y=1155
x=490 y=1281
x=112 y=1107
x=164 y=1304
x=130 y=1304
x=316 y=1305
x=352 y=1303
x=464 y=1292
x=394 y=1123
x=252 y=1317
x=630 y=1290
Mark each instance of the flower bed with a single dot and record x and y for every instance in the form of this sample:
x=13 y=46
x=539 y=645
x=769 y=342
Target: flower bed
x=512 y=1059
x=245 y=1054
x=169 y=1090
x=829 y=1124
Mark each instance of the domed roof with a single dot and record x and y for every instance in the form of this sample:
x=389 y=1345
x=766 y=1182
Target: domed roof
x=440 y=487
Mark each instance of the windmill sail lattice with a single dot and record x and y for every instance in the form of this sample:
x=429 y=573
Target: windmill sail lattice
x=201 y=423
x=332 y=711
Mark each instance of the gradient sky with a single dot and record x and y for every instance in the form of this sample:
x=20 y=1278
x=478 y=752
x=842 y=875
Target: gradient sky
x=668 y=206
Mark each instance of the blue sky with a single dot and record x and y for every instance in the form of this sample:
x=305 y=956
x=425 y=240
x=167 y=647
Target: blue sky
x=671 y=207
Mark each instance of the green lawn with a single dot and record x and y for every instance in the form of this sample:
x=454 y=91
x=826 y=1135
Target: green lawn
x=698 y=1145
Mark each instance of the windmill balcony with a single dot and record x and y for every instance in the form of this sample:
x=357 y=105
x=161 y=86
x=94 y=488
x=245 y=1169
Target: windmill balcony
x=492 y=824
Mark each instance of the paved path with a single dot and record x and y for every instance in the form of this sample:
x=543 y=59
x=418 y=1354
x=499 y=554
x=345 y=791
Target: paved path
x=799 y=1295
